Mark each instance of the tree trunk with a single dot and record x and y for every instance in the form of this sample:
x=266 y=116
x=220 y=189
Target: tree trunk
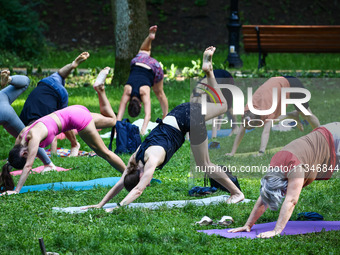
x=131 y=28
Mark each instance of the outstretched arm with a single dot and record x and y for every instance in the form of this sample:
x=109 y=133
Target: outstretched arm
x=144 y=181
x=295 y=184
x=123 y=102
x=149 y=168
x=33 y=145
x=111 y=194
x=147 y=109
x=256 y=213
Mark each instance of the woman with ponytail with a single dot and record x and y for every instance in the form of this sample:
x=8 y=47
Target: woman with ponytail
x=42 y=132
x=6 y=180
x=169 y=135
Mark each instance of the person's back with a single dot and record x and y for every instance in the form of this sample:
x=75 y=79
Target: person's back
x=42 y=101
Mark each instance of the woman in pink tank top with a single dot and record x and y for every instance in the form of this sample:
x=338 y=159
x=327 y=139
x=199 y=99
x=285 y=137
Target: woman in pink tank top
x=42 y=132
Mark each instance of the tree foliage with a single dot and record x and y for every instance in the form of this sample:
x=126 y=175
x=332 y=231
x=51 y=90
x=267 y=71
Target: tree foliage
x=21 y=31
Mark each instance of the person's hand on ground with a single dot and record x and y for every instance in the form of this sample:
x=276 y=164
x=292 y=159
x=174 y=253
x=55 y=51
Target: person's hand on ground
x=268 y=234
x=240 y=229
x=48 y=168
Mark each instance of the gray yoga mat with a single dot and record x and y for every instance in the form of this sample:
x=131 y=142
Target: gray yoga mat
x=155 y=205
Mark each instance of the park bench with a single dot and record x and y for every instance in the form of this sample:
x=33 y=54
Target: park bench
x=266 y=39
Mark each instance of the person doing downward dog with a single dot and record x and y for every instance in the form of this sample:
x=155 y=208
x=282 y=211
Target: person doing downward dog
x=49 y=96
x=9 y=119
x=164 y=140
x=145 y=72
x=312 y=157
x=42 y=132
x=263 y=100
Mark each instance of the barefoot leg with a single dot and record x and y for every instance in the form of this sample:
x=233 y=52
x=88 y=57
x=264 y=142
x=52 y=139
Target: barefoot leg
x=71 y=136
x=146 y=45
x=91 y=137
x=67 y=69
x=107 y=117
x=202 y=159
x=213 y=110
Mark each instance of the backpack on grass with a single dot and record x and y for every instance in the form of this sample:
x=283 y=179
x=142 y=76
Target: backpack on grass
x=215 y=184
x=127 y=139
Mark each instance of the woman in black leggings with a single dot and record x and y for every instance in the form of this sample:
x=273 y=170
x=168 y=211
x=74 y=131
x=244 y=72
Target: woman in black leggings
x=167 y=138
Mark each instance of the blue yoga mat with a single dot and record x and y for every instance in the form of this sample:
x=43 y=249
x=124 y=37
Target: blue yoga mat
x=84 y=185
x=224 y=132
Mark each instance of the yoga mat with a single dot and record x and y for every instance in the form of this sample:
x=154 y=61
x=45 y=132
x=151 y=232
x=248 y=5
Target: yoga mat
x=245 y=154
x=224 y=132
x=139 y=124
x=292 y=228
x=84 y=185
x=39 y=170
x=61 y=152
x=155 y=205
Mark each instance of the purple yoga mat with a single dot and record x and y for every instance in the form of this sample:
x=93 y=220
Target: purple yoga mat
x=292 y=228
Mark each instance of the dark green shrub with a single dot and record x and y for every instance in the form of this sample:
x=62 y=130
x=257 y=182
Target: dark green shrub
x=20 y=29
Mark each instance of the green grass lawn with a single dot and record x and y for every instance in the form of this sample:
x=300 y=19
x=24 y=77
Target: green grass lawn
x=26 y=217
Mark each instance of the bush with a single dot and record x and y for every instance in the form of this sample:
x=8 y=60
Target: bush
x=21 y=32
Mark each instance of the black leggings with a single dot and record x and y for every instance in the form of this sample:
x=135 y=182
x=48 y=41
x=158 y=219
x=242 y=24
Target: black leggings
x=296 y=83
x=139 y=77
x=190 y=119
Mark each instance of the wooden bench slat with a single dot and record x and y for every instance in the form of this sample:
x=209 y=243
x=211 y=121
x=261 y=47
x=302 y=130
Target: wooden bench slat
x=293 y=36
x=293 y=32
x=295 y=50
x=291 y=39
x=281 y=38
x=292 y=29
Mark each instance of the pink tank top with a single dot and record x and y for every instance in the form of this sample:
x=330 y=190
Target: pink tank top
x=72 y=117
x=52 y=130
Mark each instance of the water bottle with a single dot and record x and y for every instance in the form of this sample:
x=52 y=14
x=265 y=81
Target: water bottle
x=191 y=180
